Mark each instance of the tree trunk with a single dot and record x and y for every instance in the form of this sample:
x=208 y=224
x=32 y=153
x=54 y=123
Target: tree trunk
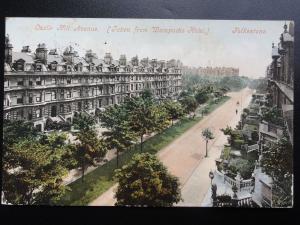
x=82 y=170
x=117 y=158
x=141 y=143
x=206 y=148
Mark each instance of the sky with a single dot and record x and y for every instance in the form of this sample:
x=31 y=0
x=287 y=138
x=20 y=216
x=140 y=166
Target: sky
x=231 y=43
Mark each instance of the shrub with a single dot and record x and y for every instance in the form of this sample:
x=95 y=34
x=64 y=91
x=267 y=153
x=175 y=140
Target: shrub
x=243 y=166
x=237 y=143
x=224 y=198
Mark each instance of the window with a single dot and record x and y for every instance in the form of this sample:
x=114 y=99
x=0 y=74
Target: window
x=53 y=94
x=68 y=94
x=80 y=93
x=61 y=108
x=53 y=81
x=69 y=108
x=29 y=116
x=39 y=98
x=38 y=113
x=30 y=99
x=69 y=81
x=20 y=83
x=20 y=113
x=131 y=86
x=20 y=100
x=38 y=82
x=62 y=94
x=30 y=83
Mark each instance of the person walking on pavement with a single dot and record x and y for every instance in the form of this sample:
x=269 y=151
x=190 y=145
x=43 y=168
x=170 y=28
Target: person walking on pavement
x=236 y=111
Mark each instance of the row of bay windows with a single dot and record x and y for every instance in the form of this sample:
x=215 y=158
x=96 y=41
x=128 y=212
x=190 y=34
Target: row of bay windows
x=61 y=94
x=68 y=80
x=54 y=95
x=57 y=109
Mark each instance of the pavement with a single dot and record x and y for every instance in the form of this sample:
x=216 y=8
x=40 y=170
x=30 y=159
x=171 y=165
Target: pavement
x=185 y=156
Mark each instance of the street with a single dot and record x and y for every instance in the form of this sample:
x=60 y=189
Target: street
x=184 y=157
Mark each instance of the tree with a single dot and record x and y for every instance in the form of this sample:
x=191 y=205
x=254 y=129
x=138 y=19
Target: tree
x=189 y=104
x=273 y=115
x=201 y=96
x=174 y=110
x=89 y=149
x=119 y=135
x=160 y=118
x=141 y=118
x=207 y=135
x=277 y=162
x=146 y=182
x=57 y=140
x=83 y=122
x=16 y=130
x=32 y=173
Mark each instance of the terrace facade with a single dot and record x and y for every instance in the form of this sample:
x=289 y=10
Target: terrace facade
x=46 y=85
x=280 y=75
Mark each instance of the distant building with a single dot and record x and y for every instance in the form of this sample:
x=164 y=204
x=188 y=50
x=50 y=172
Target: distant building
x=211 y=71
x=46 y=85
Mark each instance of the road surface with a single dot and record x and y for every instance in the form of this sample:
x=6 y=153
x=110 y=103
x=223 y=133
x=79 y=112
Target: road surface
x=185 y=156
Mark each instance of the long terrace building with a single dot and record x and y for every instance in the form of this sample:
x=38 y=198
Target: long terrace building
x=280 y=75
x=43 y=84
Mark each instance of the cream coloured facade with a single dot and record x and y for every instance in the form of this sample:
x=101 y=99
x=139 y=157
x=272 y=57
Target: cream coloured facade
x=43 y=84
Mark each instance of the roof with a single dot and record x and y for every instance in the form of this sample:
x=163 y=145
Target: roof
x=57 y=58
x=275 y=51
x=78 y=60
x=288 y=91
x=28 y=58
x=97 y=61
x=287 y=37
x=6 y=68
x=115 y=62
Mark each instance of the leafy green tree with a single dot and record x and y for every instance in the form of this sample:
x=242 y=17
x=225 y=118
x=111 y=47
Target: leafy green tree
x=119 y=135
x=57 y=140
x=89 y=149
x=142 y=119
x=146 y=182
x=174 y=110
x=32 y=173
x=161 y=119
x=207 y=134
x=243 y=166
x=189 y=104
x=83 y=122
x=202 y=96
x=147 y=95
x=16 y=130
x=277 y=161
x=273 y=115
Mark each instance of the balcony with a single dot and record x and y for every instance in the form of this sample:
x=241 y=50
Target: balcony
x=270 y=130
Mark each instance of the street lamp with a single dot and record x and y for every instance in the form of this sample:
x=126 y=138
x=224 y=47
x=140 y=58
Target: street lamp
x=211 y=176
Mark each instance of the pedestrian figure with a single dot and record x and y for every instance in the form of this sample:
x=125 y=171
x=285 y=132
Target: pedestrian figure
x=236 y=111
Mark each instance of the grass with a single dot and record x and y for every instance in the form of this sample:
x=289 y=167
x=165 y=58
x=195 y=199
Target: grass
x=101 y=179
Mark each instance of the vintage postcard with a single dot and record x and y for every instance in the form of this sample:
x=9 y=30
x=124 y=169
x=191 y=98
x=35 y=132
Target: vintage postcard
x=148 y=112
